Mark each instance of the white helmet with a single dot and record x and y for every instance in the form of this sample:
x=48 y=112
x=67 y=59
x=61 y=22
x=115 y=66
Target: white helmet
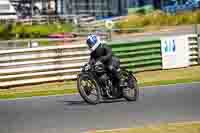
x=93 y=42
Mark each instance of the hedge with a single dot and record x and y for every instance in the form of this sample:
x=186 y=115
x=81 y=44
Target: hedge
x=19 y=30
x=159 y=18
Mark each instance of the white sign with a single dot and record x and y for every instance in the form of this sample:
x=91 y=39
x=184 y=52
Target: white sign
x=175 y=52
x=109 y=24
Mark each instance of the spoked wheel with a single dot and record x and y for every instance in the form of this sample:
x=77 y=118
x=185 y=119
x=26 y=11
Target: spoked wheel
x=131 y=91
x=88 y=89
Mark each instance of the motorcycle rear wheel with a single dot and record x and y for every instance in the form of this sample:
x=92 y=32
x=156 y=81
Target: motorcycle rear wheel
x=131 y=92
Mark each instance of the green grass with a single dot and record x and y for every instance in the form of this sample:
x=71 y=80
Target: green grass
x=168 y=82
x=37 y=93
x=20 y=30
x=157 y=19
x=149 y=78
x=57 y=88
x=192 y=127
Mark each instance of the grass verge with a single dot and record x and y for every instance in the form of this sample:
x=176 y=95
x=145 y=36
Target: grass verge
x=151 y=78
x=193 y=127
x=21 y=30
x=155 y=20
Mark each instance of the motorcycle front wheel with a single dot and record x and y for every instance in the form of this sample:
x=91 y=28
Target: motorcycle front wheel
x=88 y=88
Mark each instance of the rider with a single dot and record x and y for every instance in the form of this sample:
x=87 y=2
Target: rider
x=100 y=52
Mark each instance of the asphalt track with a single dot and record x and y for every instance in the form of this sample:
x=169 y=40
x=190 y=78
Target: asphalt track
x=69 y=114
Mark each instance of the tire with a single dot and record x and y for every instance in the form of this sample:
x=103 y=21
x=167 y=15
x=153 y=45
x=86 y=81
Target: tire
x=132 y=86
x=84 y=93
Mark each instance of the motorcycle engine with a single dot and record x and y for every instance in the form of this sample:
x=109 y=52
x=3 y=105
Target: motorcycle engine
x=99 y=68
x=104 y=78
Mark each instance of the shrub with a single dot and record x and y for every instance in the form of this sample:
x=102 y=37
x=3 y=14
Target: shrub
x=159 y=18
x=5 y=31
x=20 y=30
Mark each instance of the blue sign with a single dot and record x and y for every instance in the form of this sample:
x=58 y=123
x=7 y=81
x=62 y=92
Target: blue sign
x=170 y=46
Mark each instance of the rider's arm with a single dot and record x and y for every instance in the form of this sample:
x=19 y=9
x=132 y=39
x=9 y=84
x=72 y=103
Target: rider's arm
x=108 y=55
x=91 y=60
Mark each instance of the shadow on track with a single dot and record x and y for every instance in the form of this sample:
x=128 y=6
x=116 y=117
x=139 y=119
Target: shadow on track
x=75 y=103
x=83 y=103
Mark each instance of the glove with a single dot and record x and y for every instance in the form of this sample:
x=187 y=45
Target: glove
x=98 y=63
x=102 y=59
x=87 y=67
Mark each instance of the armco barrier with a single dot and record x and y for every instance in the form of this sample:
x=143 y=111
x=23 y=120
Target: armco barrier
x=198 y=41
x=37 y=65
x=58 y=63
x=139 y=56
x=193 y=45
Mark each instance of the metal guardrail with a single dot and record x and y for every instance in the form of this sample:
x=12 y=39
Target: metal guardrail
x=100 y=23
x=198 y=42
x=50 y=18
x=139 y=56
x=58 y=63
x=36 y=65
x=194 y=51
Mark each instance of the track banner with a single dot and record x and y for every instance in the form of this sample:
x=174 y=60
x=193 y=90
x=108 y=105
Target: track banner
x=175 y=52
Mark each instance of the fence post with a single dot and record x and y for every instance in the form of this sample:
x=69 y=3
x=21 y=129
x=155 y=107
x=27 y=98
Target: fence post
x=110 y=35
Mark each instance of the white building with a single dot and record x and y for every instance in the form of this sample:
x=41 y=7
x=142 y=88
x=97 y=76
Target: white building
x=98 y=8
x=7 y=11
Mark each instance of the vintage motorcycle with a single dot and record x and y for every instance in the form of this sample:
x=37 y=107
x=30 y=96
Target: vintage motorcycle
x=94 y=84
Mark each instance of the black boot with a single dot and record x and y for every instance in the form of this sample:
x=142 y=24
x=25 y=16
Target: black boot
x=120 y=78
x=122 y=83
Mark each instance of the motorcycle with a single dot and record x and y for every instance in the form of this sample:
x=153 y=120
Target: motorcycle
x=94 y=83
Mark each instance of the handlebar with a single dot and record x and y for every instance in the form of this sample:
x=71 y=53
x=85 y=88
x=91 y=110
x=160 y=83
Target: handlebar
x=88 y=66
